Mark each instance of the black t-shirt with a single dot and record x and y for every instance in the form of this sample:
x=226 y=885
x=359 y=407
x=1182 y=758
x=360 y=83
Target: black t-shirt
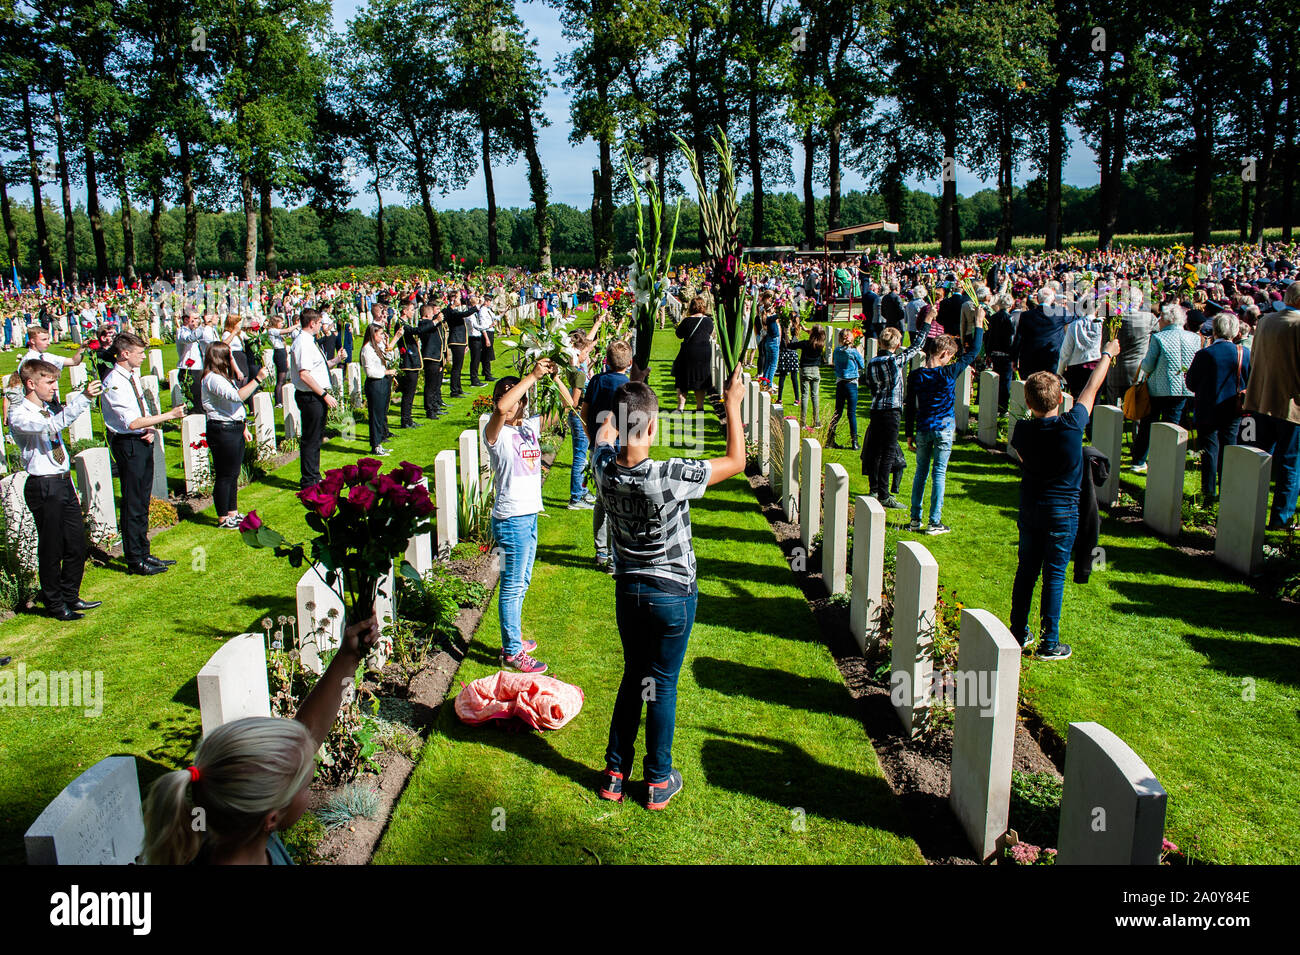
x=1051 y=458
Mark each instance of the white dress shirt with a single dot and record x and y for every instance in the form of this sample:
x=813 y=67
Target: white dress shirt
x=372 y=363
x=36 y=431
x=305 y=355
x=123 y=401
x=192 y=345
x=484 y=320
x=58 y=361
x=221 y=398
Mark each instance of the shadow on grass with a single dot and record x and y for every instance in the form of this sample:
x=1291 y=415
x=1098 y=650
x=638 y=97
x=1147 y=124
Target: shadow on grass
x=1270 y=660
x=814 y=694
x=783 y=774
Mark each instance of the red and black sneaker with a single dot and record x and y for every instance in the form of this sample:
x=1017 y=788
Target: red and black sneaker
x=662 y=792
x=612 y=787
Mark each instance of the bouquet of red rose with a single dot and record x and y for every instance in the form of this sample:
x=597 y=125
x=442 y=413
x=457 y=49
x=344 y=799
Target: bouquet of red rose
x=364 y=521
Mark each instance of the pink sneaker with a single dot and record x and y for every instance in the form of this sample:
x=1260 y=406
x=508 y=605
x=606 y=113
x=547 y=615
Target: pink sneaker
x=529 y=645
x=522 y=663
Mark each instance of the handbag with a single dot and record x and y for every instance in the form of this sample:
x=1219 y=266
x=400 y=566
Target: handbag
x=1137 y=402
x=1241 y=387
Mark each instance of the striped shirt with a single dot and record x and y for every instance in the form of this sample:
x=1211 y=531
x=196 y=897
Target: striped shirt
x=885 y=373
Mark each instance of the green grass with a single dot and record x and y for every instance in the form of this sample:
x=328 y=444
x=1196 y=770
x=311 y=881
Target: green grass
x=777 y=769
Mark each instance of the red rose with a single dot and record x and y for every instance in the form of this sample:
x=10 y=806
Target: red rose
x=251 y=522
x=362 y=498
x=400 y=496
x=384 y=485
x=408 y=473
x=369 y=467
x=422 y=505
x=351 y=474
x=189 y=362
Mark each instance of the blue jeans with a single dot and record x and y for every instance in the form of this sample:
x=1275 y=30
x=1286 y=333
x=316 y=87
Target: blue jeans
x=655 y=628
x=1216 y=433
x=846 y=396
x=1285 y=438
x=933 y=449
x=1046 y=541
x=517 y=539
x=770 y=354
x=576 y=488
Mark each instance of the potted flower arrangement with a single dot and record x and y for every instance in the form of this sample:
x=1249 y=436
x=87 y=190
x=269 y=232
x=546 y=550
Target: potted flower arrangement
x=363 y=521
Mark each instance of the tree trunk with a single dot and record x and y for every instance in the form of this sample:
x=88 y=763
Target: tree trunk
x=1055 y=160
x=1264 y=170
x=537 y=189
x=809 y=202
x=43 y=257
x=268 y=232
x=426 y=201
x=1111 y=176
x=11 y=234
x=833 y=176
x=189 y=245
x=250 y=226
x=96 y=219
x=1203 y=175
x=606 y=205
x=948 y=202
x=1290 y=161
x=379 y=226
x=755 y=158
x=1005 y=172
x=128 y=226
x=155 y=235
x=69 y=223
x=597 y=237
x=494 y=247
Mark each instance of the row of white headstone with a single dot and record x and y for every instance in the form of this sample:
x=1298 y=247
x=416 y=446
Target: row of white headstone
x=97 y=818
x=1104 y=779
x=1243 y=489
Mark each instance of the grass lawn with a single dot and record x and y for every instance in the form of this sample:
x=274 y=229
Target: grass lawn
x=776 y=767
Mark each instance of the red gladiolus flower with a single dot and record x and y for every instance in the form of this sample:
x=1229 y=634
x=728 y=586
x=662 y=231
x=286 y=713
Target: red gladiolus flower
x=369 y=467
x=362 y=498
x=251 y=522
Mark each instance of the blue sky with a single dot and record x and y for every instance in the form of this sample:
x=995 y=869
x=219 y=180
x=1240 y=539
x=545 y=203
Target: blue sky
x=568 y=167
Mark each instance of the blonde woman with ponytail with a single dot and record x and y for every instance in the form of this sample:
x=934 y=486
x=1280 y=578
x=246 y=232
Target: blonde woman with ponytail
x=250 y=778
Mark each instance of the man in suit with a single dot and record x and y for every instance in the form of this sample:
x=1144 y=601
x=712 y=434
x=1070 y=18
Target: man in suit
x=1039 y=334
x=1271 y=394
x=409 y=363
x=433 y=345
x=1216 y=376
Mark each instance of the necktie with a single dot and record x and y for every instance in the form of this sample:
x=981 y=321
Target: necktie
x=139 y=398
x=57 y=451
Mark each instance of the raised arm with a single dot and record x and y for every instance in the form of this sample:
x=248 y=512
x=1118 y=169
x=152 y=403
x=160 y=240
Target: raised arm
x=1088 y=397
x=733 y=462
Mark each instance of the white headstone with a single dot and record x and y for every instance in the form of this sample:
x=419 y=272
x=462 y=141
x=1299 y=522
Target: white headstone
x=321 y=618
x=174 y=386
x=155 y=326
x=95 y=820
x=81 y=429
x=20 y=525
x=835 y=530
x=264 y=424
x=871 y=349
x=988 y=420
x=159 y=489
x=764 y=427
x=95 y=483
x=962 y=396
x=444 y=482
x=385 y=604
x=292 y=414
x=1067 y=403
x=354 y=384
x=194 y=452
x=984 y=729
x=336 y=380
x=268 y=361
x=790 y=468
x=469 y=466
x=1112 y=805
x=1108 y=438
x=1243 y=509
x=233 y=684
x=810 y=491
x=483 y=420
x=868 y=570
x=156 y=362
x=1016 y=410
x=77 y=376
x=916 y=591
x=419 y=553
x=1162 y=508
x=149 y=391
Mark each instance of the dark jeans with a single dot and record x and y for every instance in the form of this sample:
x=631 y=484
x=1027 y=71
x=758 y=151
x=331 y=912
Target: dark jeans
x=655 y=628
x=1282 y=440
x=134 y=458
x=60 y=537
x=190 y=379
x=313 y=411
x=377 y=391
x=408 y=380
x=457 y=360
x=846 y=394
x=480 y=355
x=432 y=388
x=881 y=449
x=226 y=441
x=1215 y=434
x=1004 y=371
x=1076 y=379
x=1162 y=409
x=1046 y=542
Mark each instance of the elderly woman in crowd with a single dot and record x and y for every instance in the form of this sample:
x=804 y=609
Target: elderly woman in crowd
x=1165 y=366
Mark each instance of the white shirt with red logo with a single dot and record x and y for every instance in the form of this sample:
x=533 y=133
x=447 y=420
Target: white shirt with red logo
x=516 y=461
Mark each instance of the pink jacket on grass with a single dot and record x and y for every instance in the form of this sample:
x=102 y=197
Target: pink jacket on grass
x=543 y=702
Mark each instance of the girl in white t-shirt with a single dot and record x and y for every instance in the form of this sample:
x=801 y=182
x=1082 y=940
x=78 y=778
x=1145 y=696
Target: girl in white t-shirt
x=513 y=439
